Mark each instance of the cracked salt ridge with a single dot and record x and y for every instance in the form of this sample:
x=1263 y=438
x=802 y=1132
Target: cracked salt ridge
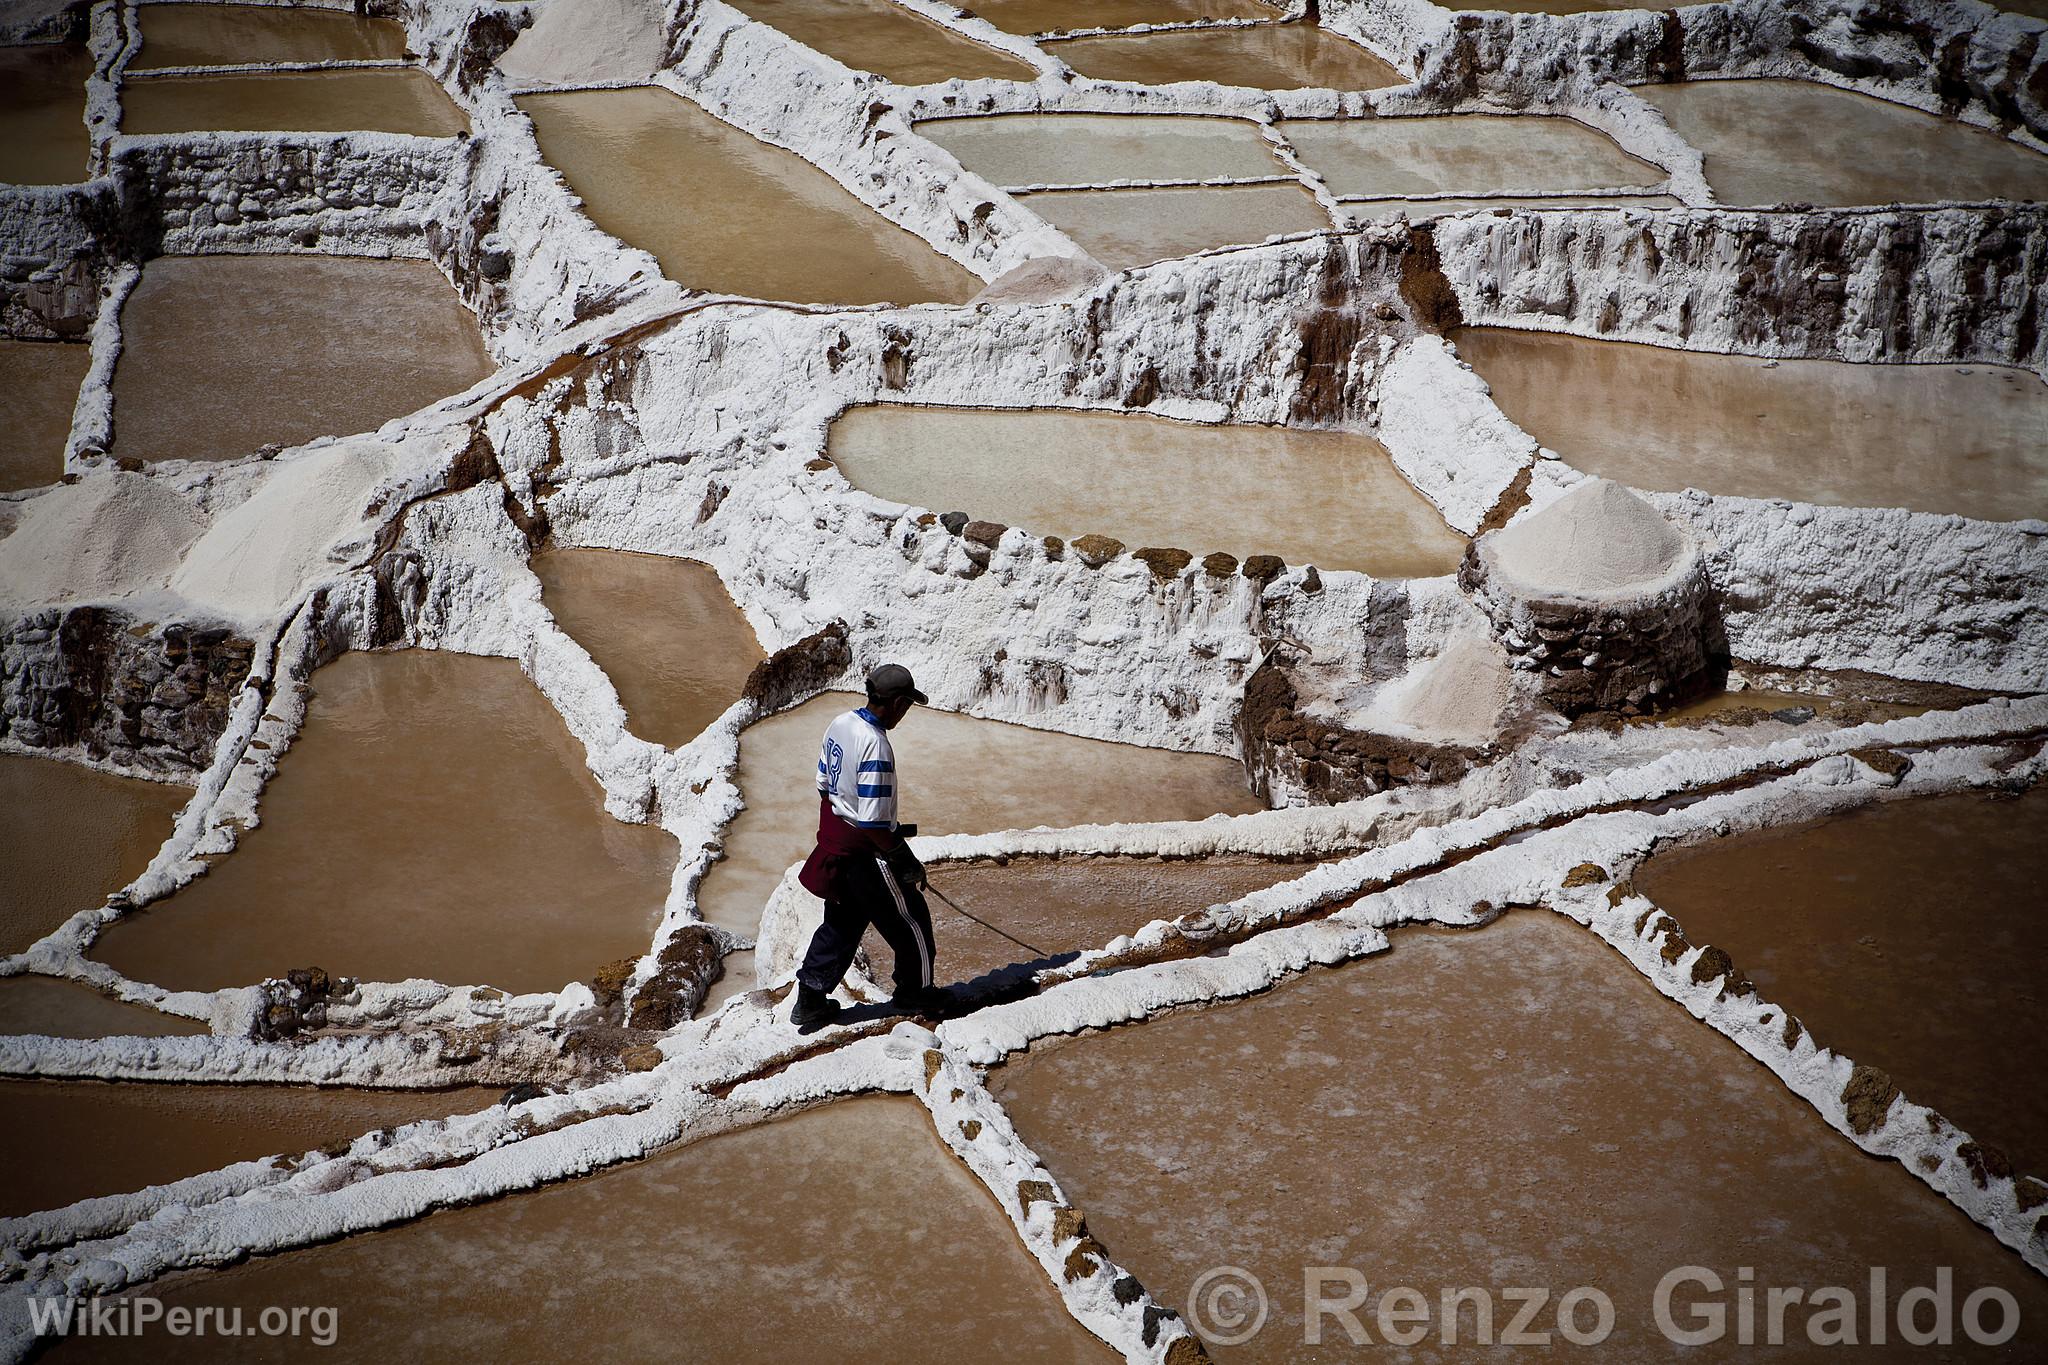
x=67 y=1142
x=664 y=630
x=386 y=100
x=1381 y=1093
x=42 y=114
x=888 y=39
x=176 y=35
x=72 y=837
x=406 y=836
x=865 y=1196
x=1328 y=498
x=620 y=149
x=1900 y=935
x=1789 y=142
x=1961 y=439
x=943 y=762
x=1281 y=56
x=39 y=385
x=188 y=388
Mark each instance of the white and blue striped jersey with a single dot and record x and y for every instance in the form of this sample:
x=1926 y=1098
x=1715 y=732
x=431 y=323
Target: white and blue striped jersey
x=857 y=770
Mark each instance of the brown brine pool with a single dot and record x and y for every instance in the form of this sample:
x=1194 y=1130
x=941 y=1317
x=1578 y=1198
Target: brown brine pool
x=233 y=35
x=188 y=388
x=1055 y=16
x=1907 y=935
x=1264 y=56
x=664 y=630
x=1933 y=438
x=844 y=1233
x=1792 y=142
x=1096 y=149
x=67 y=1141
x=1488 y=1108
x=42 y=114
x=1382 y=158
x=1333 y=499
x=626 y=152
x=888 y=39
x=374 y=99
x=71 y=837
x=1126 y=228
x=433 y=819
x=39 y=383
x=52 y=1008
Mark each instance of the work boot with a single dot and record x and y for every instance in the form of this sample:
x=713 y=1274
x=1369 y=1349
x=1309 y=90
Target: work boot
x=920 y=1000
x=813 y=1009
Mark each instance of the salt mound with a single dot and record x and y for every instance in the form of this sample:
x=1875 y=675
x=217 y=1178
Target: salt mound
x=260 y=558
x=1597 y=539
x=1455 y=698
x=107 y=536
x=588 y=40
x=1043 y=279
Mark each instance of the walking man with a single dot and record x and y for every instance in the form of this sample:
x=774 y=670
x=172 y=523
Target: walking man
x=862 y=868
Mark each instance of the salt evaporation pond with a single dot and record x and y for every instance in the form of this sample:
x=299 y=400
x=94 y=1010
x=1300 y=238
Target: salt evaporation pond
x=1792 y=142
x=664 y=630
x=374 y=99
x=1421 y=210
x=188 y=388
x=65 y=1009
x=843 y=1233
x=1127 y=228
x=1933 y=438
x=38 y=389
x=1470 y=154
x=1333 y=499
x=73 y=835
x=433 y=819
x=626 y=152
x=1019 y=150
x=1062 y=906
x=66 y=1141
x=1504 y=1106
x=1289 y=56
x=1907 y=936
x=234 y=35
x=1058 y=16
x=1559 y=6
x=943 y=760
x=42 y=114
x=887 y=39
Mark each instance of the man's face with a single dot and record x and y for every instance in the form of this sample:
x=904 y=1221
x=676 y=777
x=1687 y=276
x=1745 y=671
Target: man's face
x=891 y=713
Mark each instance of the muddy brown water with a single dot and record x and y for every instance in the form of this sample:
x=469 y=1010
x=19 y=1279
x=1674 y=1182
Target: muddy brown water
x=1419 y=210
x=231 y=35
x=67 y=1141
x=64 y=1009
x=71 y=836
x=38 y=389
x=1126 y=228
x=1096 y=149
x=379 y=99
x=434 y=819
x=943 y=761
x=843 y=1233
x=626 y=152
x=1908 y=936
x=187 y=387
x=664 y=630
x=1556 y=6
x=1464 y=154
x=42 y=114
x=1934 y=438
x=1062 y=906
x=1787 y=142
x=887 y=39
x=1511 y=1106
x=1333 y=499
x=1834 y=709
x=1265 y=57
x=1055 y=16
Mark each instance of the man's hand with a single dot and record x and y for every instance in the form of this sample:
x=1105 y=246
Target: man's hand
x=907 y=868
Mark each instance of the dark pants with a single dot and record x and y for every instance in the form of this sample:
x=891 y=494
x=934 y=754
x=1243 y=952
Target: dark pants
x=864 y=892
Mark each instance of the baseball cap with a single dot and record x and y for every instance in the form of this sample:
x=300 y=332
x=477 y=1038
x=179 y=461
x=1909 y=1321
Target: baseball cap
x=891 y=681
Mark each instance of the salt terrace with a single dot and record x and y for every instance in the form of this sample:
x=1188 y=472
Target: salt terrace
x=1480 y=570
